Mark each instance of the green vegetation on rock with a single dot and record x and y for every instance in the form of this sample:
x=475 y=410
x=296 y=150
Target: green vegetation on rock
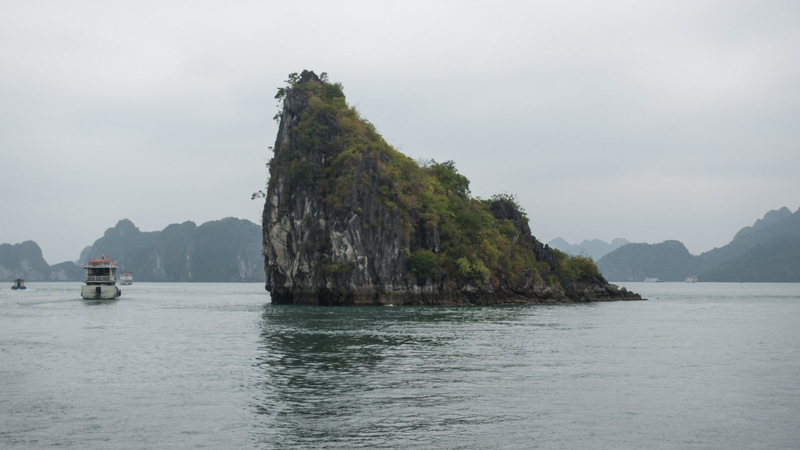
x=333 y=152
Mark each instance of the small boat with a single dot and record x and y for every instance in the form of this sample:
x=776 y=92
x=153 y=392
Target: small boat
x=19 y=284
x=101 y=280
x=126 y=278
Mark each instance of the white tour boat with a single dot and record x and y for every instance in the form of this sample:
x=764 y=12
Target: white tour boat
x=101 y=280
x=126 y=278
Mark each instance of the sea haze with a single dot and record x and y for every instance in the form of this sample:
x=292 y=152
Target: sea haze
x=171 y=365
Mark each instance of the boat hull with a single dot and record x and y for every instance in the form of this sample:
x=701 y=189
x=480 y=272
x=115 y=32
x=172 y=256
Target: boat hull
x=100 y=292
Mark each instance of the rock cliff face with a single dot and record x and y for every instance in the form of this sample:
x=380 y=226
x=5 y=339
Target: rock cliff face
x=348 y=220
x=316 y=253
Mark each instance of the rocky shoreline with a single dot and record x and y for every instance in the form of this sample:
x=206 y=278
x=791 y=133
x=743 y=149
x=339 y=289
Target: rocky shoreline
x=466 y=296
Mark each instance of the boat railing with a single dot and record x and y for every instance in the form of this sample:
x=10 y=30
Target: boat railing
x=100 y=278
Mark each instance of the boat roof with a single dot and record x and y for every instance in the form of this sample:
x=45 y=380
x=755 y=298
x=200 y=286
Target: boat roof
x=100 y=262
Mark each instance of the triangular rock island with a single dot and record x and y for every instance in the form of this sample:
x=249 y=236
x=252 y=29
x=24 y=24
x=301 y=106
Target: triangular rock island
x=349 y=220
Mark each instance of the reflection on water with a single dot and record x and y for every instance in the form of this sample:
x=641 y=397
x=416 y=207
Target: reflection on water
x=91 y=302
x=611 y=375
x=349 y=376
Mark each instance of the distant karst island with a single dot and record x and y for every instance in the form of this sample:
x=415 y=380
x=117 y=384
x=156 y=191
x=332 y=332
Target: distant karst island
x=226 y=250
x=767 y=251
x=349 y=220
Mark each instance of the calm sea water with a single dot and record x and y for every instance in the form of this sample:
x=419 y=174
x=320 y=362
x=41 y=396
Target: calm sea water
x=698 y=366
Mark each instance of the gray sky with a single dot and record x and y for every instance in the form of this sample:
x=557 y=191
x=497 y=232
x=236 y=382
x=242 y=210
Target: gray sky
x=647 y=120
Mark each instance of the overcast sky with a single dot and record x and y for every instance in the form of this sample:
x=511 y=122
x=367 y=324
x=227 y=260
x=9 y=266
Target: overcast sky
x=647 y=120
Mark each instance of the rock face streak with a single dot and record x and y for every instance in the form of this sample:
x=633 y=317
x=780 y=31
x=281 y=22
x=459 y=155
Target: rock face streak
x=314 y=253
x=353 y=250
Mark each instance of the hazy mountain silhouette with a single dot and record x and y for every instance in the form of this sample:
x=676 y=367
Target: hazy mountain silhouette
x=594 y=249
x=217 y=251
x=667 y=261
x=25 y=261
x=765 y=251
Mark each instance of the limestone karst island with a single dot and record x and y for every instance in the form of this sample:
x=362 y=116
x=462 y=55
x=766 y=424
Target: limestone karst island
x=349 y=220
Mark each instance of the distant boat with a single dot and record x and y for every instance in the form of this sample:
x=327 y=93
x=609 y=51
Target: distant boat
x=101 y=280
x=19 y=284
x=652 y=280
x=126 y=278
x=691 y=279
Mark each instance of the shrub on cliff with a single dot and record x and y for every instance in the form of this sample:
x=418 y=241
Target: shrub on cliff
x=575 y=268
x=422 y=264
